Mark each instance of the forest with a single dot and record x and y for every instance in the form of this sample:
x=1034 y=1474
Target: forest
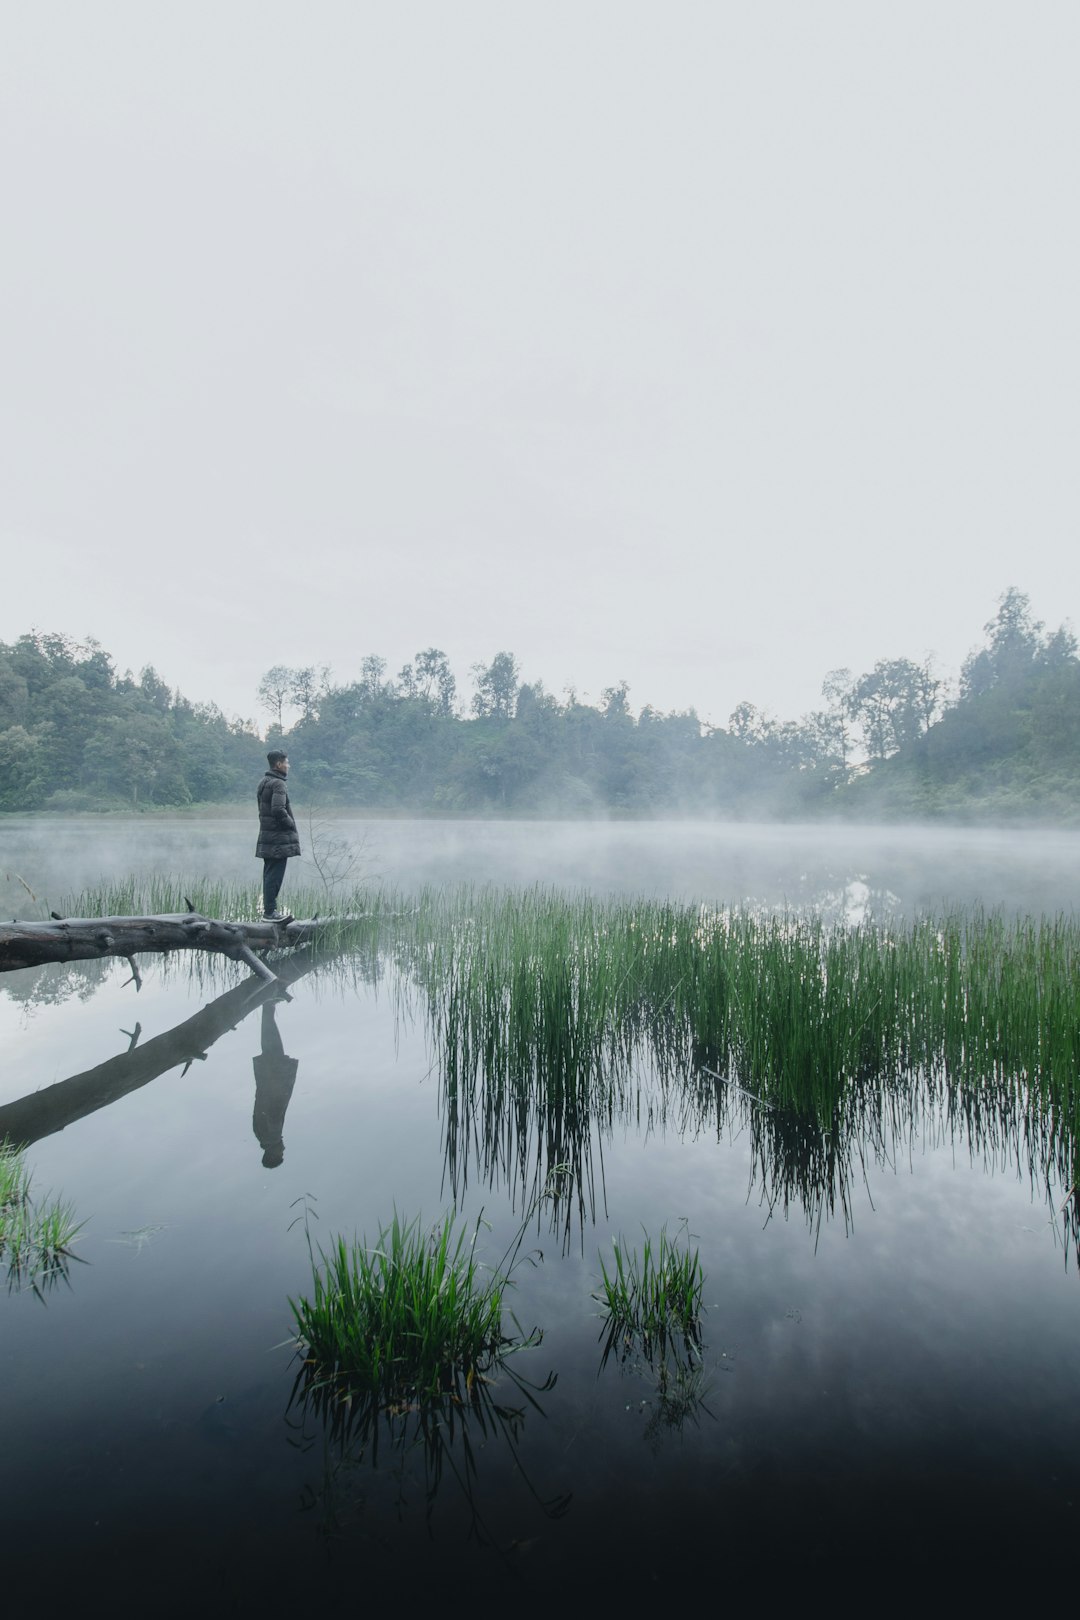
x=895 y=742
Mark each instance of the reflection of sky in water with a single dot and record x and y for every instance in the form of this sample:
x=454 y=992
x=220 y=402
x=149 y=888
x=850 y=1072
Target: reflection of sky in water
x=916 y=1360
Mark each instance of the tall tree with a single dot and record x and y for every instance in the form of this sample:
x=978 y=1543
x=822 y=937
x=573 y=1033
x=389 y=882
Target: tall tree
x=373 y=683
x=496 y=687
x=436 y=679
x=833 y=726
x=274 y=691
x=615 y=701
x=430 y=679
x=1014 y=643
x=892 y=703
x=305 y=687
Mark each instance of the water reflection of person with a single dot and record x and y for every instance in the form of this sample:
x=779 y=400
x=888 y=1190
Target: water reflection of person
x=275 y=1076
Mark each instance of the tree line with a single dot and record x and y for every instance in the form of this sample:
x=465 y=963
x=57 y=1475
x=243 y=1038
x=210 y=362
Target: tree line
x=896 y=740
x=74 y=735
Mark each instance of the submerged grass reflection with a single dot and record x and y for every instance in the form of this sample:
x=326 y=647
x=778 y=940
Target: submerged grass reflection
x=445 y=1437
x=402 y=1343
x=652 y=1303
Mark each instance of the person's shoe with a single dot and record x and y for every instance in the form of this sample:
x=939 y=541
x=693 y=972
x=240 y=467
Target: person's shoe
x=277 y=916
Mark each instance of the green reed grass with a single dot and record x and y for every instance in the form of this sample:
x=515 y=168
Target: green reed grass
x=14 y=1182
x=543 y=1008
x=533 y=986
x=546 y=1008
x=35 y=1239
x=652 y=1300
x=408 y=1318
x=154 y=894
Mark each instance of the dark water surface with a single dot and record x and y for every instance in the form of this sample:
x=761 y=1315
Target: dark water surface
x=891 y=1350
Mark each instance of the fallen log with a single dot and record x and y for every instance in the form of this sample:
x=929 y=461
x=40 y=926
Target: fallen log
x=81 y=939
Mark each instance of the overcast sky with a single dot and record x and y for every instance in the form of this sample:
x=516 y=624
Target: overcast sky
x=706 y=346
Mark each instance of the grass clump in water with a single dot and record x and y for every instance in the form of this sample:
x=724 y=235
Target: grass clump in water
x=35 y=1240
x=410 y=1318
x=14 y=1184
x=653 y=1300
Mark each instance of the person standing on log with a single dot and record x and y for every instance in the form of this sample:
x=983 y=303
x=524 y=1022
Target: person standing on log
x=278 y=839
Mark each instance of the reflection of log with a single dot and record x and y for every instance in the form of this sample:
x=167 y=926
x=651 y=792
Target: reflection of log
x=71 y=939
x=54 y=1107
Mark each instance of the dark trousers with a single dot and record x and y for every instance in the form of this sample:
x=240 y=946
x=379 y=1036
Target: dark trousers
x=273 y=878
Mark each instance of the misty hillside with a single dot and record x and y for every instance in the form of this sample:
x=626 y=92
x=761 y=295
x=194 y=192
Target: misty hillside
x=890 y=743
x=1009 y=746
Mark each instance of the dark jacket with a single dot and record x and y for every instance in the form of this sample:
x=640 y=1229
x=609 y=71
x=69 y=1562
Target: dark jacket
x=277 y=829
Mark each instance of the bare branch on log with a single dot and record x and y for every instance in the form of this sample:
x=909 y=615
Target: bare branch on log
x=256 y=966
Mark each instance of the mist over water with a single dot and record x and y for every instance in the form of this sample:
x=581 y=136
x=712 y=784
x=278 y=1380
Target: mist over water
x=845 y=871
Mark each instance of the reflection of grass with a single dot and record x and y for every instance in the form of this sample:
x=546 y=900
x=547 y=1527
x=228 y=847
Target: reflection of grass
x=408 y=1318
x=652 y=1300
x=446 y=1433
x=404 y=1339
x=652 y=1317
x=35 y=1240
x=680 y=1396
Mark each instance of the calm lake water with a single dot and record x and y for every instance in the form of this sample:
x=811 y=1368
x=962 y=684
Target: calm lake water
x=891 y=1349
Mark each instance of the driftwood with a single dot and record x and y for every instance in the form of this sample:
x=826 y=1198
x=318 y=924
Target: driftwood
x=81 y=939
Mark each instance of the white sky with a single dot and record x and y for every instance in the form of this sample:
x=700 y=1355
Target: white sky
x=709 y=346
